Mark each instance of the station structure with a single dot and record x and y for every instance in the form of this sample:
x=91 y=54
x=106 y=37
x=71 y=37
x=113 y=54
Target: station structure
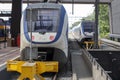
x=103 y=62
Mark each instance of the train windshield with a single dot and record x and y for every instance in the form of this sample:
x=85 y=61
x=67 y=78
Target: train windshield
x=2 y=22
x=2 y=25
x=88 y=26
x=2 y=33
x=43 y=20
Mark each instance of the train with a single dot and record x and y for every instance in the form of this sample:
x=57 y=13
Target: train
x=4 y=30
x=84 y=31
x=48 y=23
x=2 y=27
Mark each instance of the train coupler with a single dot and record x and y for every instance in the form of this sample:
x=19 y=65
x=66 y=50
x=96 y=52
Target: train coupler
x=32 y=70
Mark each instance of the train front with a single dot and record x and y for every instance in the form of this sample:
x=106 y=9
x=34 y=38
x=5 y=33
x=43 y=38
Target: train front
x=87 y=29
x=48 y=23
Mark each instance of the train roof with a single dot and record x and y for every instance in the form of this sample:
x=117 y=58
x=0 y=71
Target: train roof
x=87 y=21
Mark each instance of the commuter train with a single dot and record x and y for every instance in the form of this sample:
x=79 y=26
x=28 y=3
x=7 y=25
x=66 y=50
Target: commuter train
x=49 y=25
x=84 y=31
x=4 y=30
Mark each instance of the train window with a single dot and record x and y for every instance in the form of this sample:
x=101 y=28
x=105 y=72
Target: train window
x=88 y=27
x=44 y=20
x=79 y=31
x=1 y=22
x=1 y=33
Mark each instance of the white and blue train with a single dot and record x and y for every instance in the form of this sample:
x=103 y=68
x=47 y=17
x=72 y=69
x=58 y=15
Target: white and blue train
x=84 y=31
x=49 y=22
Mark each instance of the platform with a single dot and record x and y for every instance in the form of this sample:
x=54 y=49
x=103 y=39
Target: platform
x=6 y=54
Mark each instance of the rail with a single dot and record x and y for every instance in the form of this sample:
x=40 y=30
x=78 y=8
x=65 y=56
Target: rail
x=97 y=70
x=111 y=43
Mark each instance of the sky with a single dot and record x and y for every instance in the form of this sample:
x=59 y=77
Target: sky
x=80 y=10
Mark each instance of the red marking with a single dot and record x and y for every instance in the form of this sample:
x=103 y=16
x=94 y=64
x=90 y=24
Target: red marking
x=39 y=38
x=33 y=37
x=18 y=40
x=51 y=37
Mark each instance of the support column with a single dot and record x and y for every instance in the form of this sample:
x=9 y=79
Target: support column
x=110 y=18
x=118 y=39
x=96 y=24
x=15 y=20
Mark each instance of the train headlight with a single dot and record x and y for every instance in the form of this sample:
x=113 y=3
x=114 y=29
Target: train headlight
x=51 y=37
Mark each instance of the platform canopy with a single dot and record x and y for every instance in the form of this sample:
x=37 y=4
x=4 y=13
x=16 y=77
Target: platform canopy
x=62 y=1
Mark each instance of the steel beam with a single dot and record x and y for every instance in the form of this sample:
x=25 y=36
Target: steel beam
x=62 y=1
x=15 y=20
x=96 y=24
x=5 y=15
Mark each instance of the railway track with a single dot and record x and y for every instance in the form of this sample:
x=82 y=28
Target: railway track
x=8 y=55
x=80 y=65
x=93 y=62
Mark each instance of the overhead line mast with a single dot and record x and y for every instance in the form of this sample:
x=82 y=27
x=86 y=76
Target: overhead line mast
x=96 y=24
